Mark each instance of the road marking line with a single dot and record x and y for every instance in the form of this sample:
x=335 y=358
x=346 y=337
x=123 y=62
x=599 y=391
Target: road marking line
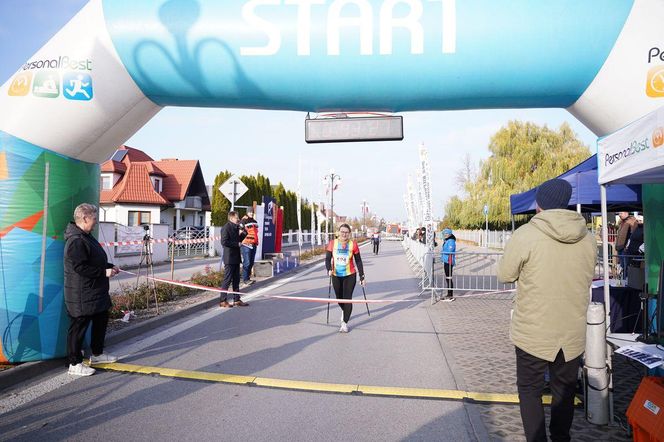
x=286 y=384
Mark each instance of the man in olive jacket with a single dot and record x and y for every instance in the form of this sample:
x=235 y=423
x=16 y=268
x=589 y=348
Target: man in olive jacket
x=552 y=258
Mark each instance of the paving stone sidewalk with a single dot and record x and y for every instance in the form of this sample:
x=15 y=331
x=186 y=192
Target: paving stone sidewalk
x=475 y=332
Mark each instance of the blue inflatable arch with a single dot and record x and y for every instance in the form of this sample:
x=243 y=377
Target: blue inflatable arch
x=118 y=62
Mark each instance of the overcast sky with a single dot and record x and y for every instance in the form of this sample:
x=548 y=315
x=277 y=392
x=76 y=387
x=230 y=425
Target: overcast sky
x=249 y=141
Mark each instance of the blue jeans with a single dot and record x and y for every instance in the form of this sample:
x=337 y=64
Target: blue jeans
x=248 y=256
x=624 y=261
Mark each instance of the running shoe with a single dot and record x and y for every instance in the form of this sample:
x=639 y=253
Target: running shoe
x=80 y=370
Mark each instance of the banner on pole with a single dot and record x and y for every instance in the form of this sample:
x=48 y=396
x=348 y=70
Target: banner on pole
x=269 y=224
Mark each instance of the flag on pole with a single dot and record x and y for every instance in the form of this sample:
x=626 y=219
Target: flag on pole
x=299 y=205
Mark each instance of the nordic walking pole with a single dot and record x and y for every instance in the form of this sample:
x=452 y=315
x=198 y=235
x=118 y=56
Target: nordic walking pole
x=365 y=298
x=329 y=292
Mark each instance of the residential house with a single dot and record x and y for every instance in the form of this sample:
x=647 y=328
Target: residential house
x=136 y=189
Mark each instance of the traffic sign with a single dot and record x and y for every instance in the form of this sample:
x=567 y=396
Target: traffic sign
x=233 y=189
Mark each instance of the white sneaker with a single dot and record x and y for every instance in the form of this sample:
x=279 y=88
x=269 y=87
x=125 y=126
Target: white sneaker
x=103 y=359
x=343 y=328
x=448 y=299
x=80 y=370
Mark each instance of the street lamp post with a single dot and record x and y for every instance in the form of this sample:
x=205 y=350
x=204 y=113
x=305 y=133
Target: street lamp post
x=486 y=212
x=332 y=177
x=364 y=215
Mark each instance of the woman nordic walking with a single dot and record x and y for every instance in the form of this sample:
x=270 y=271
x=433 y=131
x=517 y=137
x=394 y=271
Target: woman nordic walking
x=343 y=261
x=448 y=258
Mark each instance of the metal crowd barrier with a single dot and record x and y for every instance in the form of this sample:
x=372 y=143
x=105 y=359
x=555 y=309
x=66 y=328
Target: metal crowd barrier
x=473 y=272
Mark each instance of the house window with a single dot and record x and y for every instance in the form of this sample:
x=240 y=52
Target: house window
x=105 y=182
x=136 y=218
x=157 y=185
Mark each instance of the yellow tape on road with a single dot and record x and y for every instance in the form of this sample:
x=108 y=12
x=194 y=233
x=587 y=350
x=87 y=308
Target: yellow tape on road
x=285 y=384
x=306 y=385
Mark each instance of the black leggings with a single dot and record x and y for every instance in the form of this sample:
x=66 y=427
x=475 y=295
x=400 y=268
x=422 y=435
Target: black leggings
x=448 y=278
x=343 y=288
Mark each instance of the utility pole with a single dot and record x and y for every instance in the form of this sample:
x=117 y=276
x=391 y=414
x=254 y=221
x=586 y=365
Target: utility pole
x=331 y=177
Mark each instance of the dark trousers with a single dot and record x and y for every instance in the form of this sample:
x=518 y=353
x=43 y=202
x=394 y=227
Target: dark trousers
x=376 y=245
x=343 y=288
x=231 y=277
x=448 y=279
x=76 y=334
x=530 y=383
x=248 y=257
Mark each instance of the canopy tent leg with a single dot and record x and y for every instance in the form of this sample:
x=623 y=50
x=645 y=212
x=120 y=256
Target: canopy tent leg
x=607 y=293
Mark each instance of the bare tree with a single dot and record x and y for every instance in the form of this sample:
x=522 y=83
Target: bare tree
x=466 y=174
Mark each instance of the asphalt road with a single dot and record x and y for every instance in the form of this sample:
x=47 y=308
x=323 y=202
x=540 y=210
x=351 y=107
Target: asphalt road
x=396 y=346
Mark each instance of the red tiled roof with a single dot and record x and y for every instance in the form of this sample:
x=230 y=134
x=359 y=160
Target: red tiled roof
x=152 y=168
x=106 y=196
x=135 y=187
x=179 y=174
x=135 y=155
x=113 y=166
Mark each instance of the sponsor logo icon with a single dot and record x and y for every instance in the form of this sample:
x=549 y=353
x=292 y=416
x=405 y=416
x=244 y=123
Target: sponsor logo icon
x=20 y=85
x=655 y=82
x=658 y=137
x=46 y=84
x=77 y=86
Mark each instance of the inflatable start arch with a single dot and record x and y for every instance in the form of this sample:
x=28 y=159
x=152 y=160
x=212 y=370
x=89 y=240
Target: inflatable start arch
x=118 y=62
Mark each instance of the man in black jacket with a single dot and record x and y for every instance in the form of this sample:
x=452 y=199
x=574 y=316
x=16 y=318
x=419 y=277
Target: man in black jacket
x=231 y=236
x=86 y=290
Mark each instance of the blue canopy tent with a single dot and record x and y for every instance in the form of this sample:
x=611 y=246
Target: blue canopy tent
x=586 y=194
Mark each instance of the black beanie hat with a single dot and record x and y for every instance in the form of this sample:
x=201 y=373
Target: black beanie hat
x=553 y=194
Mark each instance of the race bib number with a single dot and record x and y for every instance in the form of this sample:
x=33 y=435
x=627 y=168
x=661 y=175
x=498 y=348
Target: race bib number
x=341 y=260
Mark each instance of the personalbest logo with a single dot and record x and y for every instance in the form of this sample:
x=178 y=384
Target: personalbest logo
x=634 y=148
x=77 y=86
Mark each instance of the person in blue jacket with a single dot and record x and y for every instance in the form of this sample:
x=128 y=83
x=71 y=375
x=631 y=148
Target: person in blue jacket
x=448 y=258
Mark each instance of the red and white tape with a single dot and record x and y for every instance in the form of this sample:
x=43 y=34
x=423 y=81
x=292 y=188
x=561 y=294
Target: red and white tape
x=161 y=240
x=287 y=298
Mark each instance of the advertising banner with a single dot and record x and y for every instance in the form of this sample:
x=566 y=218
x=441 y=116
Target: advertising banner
x=279 y=230
x=269 y=224
x=635 y=153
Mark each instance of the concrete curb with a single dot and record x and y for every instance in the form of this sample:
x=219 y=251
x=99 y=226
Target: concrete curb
x=31 y=371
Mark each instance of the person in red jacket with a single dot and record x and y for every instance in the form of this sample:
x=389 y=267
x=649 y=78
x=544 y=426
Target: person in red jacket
x=249 y=245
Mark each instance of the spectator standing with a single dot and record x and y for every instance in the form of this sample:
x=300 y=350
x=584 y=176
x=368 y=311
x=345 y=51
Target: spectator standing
x=448 y=258
x=553 y=258
x=628 y=225
x=231 y=236
x=86 y=286
x=249 y=245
